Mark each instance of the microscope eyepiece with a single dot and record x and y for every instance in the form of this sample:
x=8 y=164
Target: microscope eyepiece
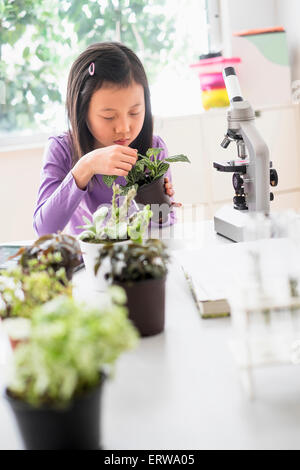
x=232 y=84
x=229 y=71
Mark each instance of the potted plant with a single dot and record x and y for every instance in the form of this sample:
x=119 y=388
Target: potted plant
x=116 y=227
x=20 y=293
x=140 y=269
x=51 y=252
x=147 y=177
x=55 y=388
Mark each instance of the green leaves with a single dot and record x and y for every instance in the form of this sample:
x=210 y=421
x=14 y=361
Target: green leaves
x=34 y=26
x=156 y=167
x=124 y=189
x=51 y=252
x=43 y=53
x=26 y=52
x=136 y=173
x=162 y=168
x=139 y=223
x=119 y=226
x=150 y=165
x=22 y=291
x=135 y=262
x=60 y=31
x=153 y=152
x=108 y=180
x=70 y=345
x=178 y=158
x=2 y=8
x=148 y=168
x=86 y=220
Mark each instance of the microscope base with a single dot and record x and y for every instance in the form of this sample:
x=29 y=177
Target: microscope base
x=231 y=223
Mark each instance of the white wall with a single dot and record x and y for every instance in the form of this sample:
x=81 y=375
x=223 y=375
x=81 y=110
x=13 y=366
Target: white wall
x=245 y=14
x=239 y=15
x=288 y=14
x=19 y=182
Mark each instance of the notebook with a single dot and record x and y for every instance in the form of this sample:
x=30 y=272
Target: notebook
x=208 y=273
x=207 y=307
x=217 y=270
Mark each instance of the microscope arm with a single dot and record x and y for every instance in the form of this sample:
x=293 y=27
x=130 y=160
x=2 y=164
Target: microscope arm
x=258 y=169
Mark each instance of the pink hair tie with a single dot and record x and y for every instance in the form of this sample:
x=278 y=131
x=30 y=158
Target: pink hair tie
x=92 y=68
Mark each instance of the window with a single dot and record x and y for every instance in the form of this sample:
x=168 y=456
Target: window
x=176 y=88
x=39 y=39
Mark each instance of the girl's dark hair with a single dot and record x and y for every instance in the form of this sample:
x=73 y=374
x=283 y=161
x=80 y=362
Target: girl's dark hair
x=114 y=63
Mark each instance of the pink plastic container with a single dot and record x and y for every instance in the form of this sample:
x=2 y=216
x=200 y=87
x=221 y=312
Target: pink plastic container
x=210 y=73
x=211 y=81
x=215 y=65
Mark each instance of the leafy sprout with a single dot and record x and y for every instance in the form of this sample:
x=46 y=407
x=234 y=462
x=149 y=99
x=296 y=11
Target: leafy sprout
x=119 y=225
x=148 y=168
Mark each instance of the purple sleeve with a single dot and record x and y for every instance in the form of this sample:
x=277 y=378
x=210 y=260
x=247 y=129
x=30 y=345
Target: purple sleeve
x=58 y=194
x=159 y=143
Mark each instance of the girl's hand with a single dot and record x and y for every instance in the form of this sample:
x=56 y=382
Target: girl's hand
x=170 y=191
x=113 y=160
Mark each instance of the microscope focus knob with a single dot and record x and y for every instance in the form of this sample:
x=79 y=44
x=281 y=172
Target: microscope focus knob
x=237 y=182
x=273 y=177
x=240 y=203
x=271 y=197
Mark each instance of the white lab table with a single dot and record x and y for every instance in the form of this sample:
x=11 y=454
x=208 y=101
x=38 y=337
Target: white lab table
x=181 y=389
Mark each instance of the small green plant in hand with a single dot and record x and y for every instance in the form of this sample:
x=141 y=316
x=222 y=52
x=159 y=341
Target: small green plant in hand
x=119 y=226
x=148 y=168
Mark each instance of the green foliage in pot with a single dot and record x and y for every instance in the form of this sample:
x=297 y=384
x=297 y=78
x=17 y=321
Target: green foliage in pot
x=20 y=293
x=51 y=252
x=135 y=262
x=119 y=226
x=71 y=345
x=148 y=168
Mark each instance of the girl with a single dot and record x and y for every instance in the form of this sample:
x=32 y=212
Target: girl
x=110 y=121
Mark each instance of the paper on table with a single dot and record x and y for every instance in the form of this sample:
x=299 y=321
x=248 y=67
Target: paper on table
x=215 y=271
x=211 y=269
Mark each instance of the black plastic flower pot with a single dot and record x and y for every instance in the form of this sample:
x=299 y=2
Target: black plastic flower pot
x=76 y=427
x=69 y=273
x=154 y=194
x=146 y=305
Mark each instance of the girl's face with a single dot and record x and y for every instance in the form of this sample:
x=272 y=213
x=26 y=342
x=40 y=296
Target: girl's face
x=116 y=115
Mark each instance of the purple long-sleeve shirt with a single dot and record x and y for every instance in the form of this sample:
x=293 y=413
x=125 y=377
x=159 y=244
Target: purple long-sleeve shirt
x=60 y=203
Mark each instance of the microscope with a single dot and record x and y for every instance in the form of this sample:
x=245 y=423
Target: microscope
x=252 y=171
